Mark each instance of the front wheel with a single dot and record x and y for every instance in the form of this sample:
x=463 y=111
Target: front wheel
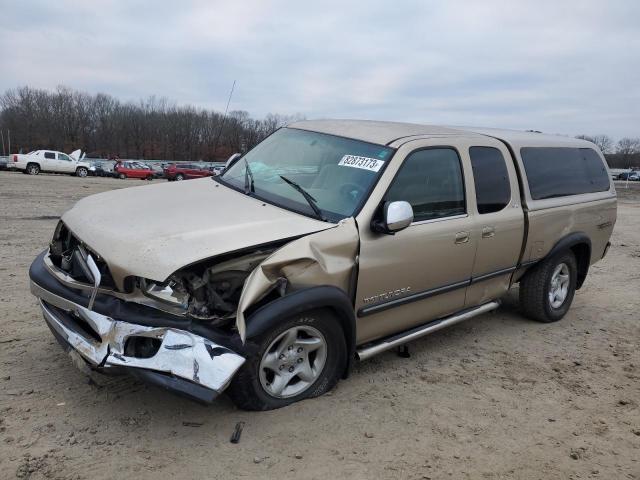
x=81 y=172
x=302 y=358
x=547 y=290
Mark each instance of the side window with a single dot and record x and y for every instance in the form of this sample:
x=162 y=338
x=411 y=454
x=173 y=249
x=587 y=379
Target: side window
x=50 y=155
x=595 y=169
x=431 y=181
x=64 y=156
x=559 y=172
x=491 y=179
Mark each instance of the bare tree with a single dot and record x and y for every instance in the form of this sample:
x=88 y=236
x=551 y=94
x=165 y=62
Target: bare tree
x=628 y=146
x=602 y=141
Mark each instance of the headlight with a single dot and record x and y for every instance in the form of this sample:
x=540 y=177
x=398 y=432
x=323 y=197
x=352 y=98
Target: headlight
x=171 y=291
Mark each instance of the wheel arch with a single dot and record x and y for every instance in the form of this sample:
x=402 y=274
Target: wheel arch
x=580 y=244
x=325 y=297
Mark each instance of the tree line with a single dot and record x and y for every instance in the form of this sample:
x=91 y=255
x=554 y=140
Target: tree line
x=155 y=128
x=623 y=154
x=104 y=127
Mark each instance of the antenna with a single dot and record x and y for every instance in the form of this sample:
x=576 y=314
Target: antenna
x=224 y=117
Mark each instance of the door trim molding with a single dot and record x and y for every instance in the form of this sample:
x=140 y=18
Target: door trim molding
x=432 y=292
x=380 y=307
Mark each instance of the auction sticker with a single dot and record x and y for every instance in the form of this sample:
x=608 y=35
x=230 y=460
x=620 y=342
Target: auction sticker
x=364 y=163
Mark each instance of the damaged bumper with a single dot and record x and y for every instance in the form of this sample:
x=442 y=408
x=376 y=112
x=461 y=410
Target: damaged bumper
x=175 y=359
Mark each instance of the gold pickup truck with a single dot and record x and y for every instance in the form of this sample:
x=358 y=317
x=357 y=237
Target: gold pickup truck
x=329 y=242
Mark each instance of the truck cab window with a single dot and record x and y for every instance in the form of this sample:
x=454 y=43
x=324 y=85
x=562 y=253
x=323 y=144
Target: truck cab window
x=50 y=155
x=491 y=179
x=64 y=156
x=431 y=181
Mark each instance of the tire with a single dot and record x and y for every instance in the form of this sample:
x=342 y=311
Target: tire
x=537 y=288
x=122 y=176
x=81 y=172
x=33 y=169
x=179 y=177
x=249 y=388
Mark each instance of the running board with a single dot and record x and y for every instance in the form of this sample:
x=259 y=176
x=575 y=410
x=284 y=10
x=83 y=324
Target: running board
x=419 y=332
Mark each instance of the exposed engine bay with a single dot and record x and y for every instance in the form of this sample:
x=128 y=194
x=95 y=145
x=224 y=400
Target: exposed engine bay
x=214 y=291
x=207 y=291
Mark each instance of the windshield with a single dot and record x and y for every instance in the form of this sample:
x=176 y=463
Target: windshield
x=338 y=173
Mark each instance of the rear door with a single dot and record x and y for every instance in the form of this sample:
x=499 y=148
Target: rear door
x=497 y=220
x=194 y=171
x=420 y=273
x=50 y=163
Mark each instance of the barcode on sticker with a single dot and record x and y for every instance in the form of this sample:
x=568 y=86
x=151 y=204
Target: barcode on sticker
x=364 y=163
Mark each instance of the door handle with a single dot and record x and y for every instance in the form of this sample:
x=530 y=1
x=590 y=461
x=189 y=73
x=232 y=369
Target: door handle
x=488 y=232
x=462 y=237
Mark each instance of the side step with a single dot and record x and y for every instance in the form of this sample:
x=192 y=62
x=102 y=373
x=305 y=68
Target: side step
x=418 y=332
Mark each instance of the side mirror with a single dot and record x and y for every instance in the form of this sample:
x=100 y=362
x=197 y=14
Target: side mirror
x=396 y=216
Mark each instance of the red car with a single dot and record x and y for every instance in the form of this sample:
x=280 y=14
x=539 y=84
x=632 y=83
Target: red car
x=185 y=171
x=124 y=170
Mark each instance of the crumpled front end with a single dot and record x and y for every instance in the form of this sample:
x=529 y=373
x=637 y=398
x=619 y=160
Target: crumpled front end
x=324 y=258
x=169 y=356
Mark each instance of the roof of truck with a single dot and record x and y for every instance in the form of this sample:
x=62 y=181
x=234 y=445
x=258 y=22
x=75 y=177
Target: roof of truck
x=388 y=133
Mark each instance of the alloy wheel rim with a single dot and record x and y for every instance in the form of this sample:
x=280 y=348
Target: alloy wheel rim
x=293 y=362
x=559 y=286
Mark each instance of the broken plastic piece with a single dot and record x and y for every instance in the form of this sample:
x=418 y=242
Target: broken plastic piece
x=237 y=432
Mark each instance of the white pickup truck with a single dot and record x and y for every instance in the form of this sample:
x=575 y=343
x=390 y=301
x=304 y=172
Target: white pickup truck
x=50 y=161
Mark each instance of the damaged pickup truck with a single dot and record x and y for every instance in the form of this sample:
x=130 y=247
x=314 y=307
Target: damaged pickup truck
x=329 y=242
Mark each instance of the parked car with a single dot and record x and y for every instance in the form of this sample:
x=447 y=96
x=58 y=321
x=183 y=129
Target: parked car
x=216 y=168
x=633 y=175
x=132 y=169
x=3 y=163
x=378 y=234
x=158 y=170
x=50 y=161
x=99 y=168
x=185 y=171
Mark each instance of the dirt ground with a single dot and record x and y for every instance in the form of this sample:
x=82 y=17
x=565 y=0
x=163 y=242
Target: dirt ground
x=496 y=397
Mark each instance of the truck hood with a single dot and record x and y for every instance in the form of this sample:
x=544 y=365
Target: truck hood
x=154 y=230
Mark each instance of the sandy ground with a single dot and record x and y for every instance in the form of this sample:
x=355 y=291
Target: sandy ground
x=496 y=397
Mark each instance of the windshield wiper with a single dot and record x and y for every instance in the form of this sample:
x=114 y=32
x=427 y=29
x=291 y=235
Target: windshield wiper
x=248 y=185
x=310 y=200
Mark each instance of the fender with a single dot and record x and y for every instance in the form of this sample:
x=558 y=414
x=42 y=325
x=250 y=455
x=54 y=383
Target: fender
x=324 y=296
x=570 y=241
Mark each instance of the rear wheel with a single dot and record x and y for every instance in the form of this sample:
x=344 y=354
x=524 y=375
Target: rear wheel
x=122 y=176
x=546 y=291
x=302 y=358
x=81 y=172
x=179 y=177
x=33 y=169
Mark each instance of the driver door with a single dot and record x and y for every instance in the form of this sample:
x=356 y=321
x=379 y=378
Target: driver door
x=422 y=272
x=65 y=164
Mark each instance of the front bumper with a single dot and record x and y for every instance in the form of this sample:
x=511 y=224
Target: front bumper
x=181 y=361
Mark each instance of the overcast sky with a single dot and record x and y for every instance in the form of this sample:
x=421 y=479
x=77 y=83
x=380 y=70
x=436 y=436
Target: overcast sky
x=558 y=66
